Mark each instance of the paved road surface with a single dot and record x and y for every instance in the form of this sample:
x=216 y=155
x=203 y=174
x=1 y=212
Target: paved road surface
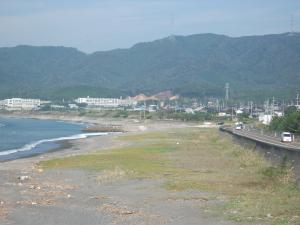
x=257 y=136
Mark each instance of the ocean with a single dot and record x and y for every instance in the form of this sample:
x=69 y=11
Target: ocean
x=21 y=137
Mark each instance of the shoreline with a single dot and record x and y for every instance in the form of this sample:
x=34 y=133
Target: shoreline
x=66 y=148
x=59 y=144
x=86 y=145
x=92 y=127
x=62 y=145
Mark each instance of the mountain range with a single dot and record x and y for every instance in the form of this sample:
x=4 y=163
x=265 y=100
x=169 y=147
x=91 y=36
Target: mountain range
x=194 y=66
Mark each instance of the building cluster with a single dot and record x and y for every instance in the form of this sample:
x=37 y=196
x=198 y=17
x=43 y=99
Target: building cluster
x=20 y=104
x=263 y=112
x=106 y=102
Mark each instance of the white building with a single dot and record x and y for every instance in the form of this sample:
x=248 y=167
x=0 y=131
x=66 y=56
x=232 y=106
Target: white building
x=152 y=108
x=189 y=110
x=128 y=102
x=106 y=102
x=73 y=106
x=58 y=107
x=265 y=119
x=21 y=104
x=239 y=111
x=222 y=114
x=278 y=113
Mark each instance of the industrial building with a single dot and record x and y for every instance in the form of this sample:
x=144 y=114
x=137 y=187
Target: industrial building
x=106 y=102
x=20 y=104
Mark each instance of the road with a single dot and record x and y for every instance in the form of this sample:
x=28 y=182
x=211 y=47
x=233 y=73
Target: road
x=260 y=137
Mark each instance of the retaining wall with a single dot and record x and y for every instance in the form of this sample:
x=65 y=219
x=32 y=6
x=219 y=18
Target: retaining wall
x=272 y=152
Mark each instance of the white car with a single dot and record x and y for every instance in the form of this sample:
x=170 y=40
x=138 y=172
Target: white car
x=286 y=137
x=239 y=126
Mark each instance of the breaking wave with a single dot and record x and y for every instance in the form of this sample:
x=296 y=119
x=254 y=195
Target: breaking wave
x=32 y=145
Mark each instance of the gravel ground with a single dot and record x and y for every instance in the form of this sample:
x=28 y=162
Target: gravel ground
x=75 y=197
x=78 y=197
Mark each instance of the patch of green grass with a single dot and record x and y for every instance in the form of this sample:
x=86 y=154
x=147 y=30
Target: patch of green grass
x=275 y=205
x=202 y=159
x=142 y=162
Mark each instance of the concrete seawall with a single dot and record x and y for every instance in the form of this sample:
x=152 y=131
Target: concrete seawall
x=272 y=152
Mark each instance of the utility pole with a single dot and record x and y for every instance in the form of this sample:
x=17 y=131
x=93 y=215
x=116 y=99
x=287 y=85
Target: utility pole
x=267 y=107
x=251 y=109
x=144 y=110
x=227 y=92
x=273 y=105
x=140 y=114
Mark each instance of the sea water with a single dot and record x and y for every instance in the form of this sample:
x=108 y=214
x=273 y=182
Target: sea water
x=21 y=137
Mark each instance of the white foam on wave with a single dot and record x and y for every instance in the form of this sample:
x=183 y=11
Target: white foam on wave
x=32 y=145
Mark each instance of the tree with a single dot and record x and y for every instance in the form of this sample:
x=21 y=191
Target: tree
x=289 y=122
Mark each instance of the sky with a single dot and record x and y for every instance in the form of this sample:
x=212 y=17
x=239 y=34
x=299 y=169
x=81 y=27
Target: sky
x=99 y=25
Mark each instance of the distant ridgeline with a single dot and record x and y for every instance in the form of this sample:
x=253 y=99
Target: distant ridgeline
x=195 y=66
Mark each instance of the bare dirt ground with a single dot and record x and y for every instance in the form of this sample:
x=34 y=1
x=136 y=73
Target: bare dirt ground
x=77 y=197
x=31 y=196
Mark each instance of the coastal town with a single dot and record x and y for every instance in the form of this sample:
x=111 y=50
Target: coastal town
x=164 y=101
x=162 y=112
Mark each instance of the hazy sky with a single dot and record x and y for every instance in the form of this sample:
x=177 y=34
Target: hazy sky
x=91 y=25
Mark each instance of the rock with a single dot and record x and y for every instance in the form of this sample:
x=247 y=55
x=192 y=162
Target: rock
x=127 y=212
x=23 y=178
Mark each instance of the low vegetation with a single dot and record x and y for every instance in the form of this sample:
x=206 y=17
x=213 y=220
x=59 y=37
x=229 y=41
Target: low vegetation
x=253 y=190
x=197 y=116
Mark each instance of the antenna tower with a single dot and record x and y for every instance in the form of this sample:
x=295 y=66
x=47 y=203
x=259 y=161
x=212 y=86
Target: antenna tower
x=292 y=24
